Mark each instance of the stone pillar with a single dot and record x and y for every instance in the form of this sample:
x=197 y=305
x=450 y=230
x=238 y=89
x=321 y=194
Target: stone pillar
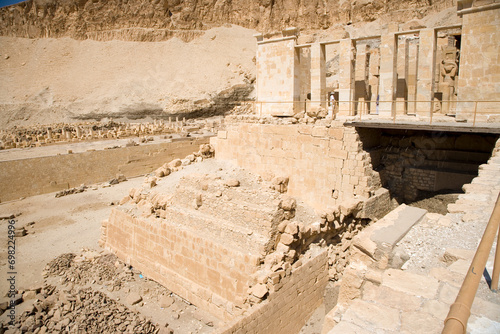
x=387 y=73
x=373 y=80
x=479 y=59
x=361 y=79
x=346 y=73
x=278 y=75
x=412 y=73
x=318 y=75
x=78 y=132
x=402 y=76
x=426 y=54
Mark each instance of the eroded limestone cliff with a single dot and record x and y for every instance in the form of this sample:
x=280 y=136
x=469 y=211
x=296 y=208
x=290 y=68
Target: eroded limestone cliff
x=155 y=20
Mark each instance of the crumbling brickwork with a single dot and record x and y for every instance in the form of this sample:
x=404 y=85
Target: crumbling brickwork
x=286 y=310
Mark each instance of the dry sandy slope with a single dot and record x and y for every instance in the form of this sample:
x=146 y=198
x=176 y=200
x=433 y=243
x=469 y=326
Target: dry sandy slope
x=48 y=80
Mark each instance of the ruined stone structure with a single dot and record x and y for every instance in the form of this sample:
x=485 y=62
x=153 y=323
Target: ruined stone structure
x=271 y=238
x=325 y=163
x=257 y=243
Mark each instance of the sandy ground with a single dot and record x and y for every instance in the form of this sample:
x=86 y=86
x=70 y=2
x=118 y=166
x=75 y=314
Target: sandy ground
x=50 y=80
x=62 y=225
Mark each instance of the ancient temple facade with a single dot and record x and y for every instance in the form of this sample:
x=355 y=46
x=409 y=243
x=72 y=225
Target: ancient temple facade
x=446 y=70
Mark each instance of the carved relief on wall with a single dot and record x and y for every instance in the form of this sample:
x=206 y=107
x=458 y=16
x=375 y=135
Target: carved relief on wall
x=448 y=77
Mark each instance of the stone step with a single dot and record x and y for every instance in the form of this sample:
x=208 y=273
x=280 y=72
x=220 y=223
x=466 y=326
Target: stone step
x=233 y=236
x=490 y=167
x=241 y=212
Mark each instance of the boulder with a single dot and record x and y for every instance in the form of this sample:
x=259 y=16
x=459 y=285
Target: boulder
x=286 y=239
x=288 y=204
x=175 y=163
x=166 y=301
x=259 y=290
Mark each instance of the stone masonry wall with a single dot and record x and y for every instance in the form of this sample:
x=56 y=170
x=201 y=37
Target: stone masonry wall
x=409 y=162
x=205 y=272
x=53 y=173
x=276 y=66
x=479 y=62
x=326 y=164
x=287 y=310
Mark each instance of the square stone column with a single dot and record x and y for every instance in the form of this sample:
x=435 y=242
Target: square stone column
x=412 y=76
x=387 y=74
x=277 y=76
x=479 y=76
x=373 y=79
x=346 y=76
x=361 y=80
x=426 y=56
x=318 y=75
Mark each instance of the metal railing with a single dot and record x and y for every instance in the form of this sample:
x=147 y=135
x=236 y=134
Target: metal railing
x=456 y=321
x=386 y=109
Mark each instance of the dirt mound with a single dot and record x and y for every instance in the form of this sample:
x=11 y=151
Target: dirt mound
x=437 y=203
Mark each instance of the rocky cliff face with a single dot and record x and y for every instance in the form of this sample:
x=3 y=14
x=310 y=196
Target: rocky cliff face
x=155 y=20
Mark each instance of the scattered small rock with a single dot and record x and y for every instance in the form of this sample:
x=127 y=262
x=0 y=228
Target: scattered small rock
x=114 y=181
x=20 y=232
x=232 y=182
x=134 y=298
x=166 y=301
x=259 y=290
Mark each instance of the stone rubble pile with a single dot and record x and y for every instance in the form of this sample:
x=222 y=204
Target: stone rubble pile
x=335 y=230
x=38 y=135
x=301 y=118
x=71 y=191
x=90 y=267
x=75 y=304
x=75 y=190
x=244 y=109
x=78 y=311
x=151 y=202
